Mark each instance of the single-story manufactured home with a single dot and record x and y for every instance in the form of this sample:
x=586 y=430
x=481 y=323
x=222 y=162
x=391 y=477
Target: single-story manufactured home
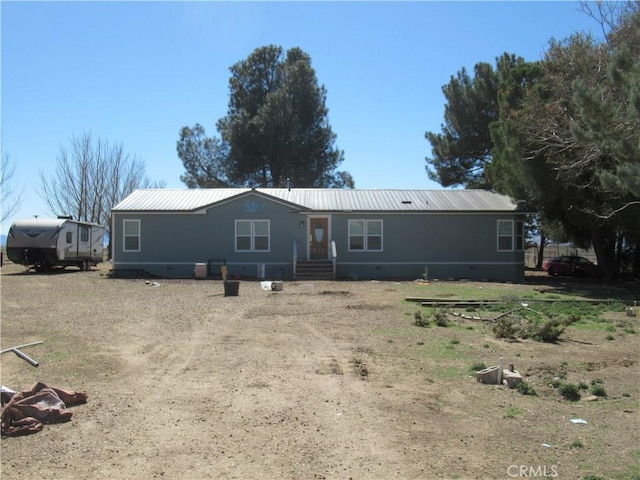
x=282 y=233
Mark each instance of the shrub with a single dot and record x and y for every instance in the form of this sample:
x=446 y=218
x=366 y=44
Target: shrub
x=505 y=328
x=512 y=327
x=598 y=390
x=570 y=392
x=571 y=319
x=555 y=383
x=477 y=366
x=549 y=332
x=420 y=320
x=577 y=444
x=525 y=389
x=440 y=318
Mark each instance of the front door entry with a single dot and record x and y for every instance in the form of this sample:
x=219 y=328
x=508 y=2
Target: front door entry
x=319 y=238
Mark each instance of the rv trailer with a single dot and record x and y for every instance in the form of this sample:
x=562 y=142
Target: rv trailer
x=44 y=243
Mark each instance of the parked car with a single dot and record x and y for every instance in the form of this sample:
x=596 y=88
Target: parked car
x=571 y=265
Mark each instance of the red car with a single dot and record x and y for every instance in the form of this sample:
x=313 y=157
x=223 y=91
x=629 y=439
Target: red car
x=571 y=265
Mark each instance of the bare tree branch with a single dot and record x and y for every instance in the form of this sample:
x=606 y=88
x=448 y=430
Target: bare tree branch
x=9 y=199
x=90 y=178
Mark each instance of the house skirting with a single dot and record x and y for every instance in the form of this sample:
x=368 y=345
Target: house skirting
x=498 y=271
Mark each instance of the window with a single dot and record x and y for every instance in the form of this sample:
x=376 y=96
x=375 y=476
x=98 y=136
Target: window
x=131 y=235
x=84 y=234
x=365 y=235
x=505 y=235
x=252 y=235
x=69 y=238
x=519 y=235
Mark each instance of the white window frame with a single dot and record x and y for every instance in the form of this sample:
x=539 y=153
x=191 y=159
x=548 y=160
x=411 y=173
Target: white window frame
x=510 y=236
x=252 y=235
x=125 y=236
x=519 y=235
x=366 y=235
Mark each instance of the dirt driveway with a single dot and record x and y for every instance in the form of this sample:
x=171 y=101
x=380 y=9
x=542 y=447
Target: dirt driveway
x=323 y=380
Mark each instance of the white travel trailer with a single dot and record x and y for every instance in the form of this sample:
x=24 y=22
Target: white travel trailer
x=44 y=243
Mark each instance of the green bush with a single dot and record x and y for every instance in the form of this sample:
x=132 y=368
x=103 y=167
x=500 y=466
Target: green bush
x=598 y=390
x=549 y=332
x=505 y=328
x=420 y=320
x=571 y=319
x=477 y=366
x=556 y=383
x=525 y=389
x=440 y=318
x=570 y=392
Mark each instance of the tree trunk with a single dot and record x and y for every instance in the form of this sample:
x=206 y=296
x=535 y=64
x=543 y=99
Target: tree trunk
x=543 y=241
x=603 y=240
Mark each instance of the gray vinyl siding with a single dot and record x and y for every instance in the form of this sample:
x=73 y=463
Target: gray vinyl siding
x=172 y=243
x=450 y=244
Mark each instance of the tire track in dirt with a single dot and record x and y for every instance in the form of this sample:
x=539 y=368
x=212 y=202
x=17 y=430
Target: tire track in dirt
x=358 y=440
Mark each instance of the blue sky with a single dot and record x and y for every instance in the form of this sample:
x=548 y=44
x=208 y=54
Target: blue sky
x=136 y=72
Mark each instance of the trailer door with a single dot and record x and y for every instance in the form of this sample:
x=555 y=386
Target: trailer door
x=67 y=243
x=97 y=243
x=84 y=242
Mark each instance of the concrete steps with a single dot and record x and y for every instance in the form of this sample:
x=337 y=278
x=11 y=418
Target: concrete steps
x=314 y=270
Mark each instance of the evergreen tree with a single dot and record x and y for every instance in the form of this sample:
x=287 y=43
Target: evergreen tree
x=462 y=152
x=277 y=124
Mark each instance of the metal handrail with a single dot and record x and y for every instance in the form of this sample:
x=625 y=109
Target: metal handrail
x=295 y=258
x=334 y=256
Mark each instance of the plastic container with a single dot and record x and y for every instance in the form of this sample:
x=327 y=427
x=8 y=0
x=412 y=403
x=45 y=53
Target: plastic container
x=271 y=286
x=200 y=270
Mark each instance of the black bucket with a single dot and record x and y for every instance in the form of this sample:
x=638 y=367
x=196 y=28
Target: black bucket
x=231 y=288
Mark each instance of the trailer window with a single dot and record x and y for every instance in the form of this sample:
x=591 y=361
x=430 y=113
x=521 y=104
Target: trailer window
x=131 y=235
x=69 y=238
x=84 y=234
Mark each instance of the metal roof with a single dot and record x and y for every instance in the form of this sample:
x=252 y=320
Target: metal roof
x=165 y=199
x=325 y=200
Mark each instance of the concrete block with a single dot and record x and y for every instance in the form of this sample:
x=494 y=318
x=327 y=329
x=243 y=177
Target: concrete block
x=488 y=375
x=512 y=379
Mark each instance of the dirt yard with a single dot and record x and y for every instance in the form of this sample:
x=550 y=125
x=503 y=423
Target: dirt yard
x=322 y=380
